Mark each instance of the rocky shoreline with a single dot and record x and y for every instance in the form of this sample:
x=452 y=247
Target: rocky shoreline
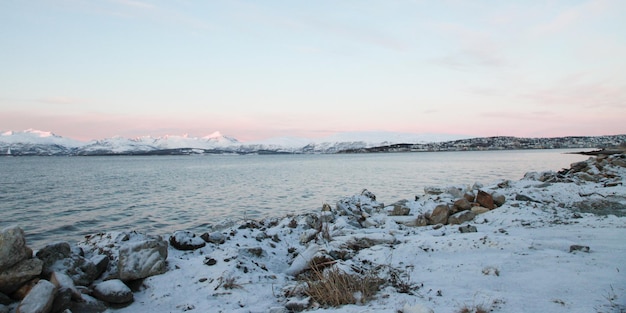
x=110 y=271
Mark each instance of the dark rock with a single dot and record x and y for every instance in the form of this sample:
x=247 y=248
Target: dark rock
x=210 y=261
x=24 y=289
x=578 y=166
x=186 y=240
x=255 y=251
x=214 y=237
x=485 y=200
x=62 y=300
x=421 y=220
x=82 y=271
x=11 y=279
x=143 y=258
x=4 y=309
x=63 y=282
x=102 y=263
x=469 y=197
x=39 y=299
x=574 y=248
x=468 y=229
x=461 y=217
x=13 y=247
x=368 y=194
x=88 y=304
x=113 y=291
x=4 y=299
x=519 y=197
x=440 y=214
x=52 y=253
x=400 y=209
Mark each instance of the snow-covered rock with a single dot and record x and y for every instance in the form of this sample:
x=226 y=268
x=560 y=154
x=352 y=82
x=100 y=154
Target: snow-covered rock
x=113 y=291
x=39 y=299
x=186 y=240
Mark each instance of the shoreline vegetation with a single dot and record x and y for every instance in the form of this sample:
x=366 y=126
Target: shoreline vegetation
x=549 y=242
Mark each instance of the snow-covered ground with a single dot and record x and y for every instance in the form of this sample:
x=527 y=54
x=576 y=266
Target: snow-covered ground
x=518 y=260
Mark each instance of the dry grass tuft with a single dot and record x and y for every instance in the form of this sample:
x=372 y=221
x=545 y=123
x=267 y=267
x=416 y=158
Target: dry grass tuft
x=474 y=309
x=228 y=283
x=333 y=287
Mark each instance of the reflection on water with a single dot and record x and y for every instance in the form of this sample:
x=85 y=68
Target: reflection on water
x=65 y=198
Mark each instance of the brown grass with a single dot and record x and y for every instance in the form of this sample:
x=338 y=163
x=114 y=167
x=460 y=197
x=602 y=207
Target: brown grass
x=474 y=309
x=333 y=287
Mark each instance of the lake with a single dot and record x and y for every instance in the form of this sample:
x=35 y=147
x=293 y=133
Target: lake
x=65 y=198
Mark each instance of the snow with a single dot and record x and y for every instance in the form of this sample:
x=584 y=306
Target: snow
x=519 y=259
x=32 y=136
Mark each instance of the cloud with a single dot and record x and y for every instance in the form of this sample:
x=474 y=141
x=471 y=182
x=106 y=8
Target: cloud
x=566 y=19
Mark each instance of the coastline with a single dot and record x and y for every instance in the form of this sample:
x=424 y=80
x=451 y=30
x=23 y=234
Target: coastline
x=523 y=256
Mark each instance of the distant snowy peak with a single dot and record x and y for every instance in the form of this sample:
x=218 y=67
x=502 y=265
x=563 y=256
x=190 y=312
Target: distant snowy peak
x=37 y=137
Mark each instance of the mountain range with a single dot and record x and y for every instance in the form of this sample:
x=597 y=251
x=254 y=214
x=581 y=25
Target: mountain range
x=36 y=142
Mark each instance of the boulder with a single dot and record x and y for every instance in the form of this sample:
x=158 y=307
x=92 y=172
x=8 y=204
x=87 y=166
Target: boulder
x=440 y=214
x=141 y=259
x=102 y=263
x=498 y=199
x=4 y=309
x=461 y=217
x=13 y=247
x=421 y=220
x=39 y=299
x=4 y=299
x=186 y=240
x=113 y=291
x=88 y=304
x=399 y=209
x=62 y=300
x=467 y=229
x=461 y=205
x=215 y=237
x=479 y=210
x=21 y=292
x=433 y=190
x=469 y=196
x=11 y=279
x=63 y=282
x=52 y=253
x=485 y=200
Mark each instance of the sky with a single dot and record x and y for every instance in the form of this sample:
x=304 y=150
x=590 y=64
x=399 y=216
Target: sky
x=260 y=69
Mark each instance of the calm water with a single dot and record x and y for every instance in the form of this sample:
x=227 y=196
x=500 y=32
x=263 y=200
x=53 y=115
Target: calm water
x=65 y=198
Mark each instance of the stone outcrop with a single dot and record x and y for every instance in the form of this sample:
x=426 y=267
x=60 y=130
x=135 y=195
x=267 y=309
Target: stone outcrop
x=39 y=299
x=142 y=259
x=485 y=200
x=440 y=214
x=13 y=247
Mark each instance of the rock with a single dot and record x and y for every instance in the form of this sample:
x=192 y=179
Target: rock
x=88 y=304
x=102 y=263
x=11 y=279
x=214 y=237
x=21 y=292
x=456 y=191
x=417 y=308
x=578 y=166
x=485 y=200
x=440 y=214
x=519 y=197
x=113 y=291
x=62 y=281
x=3 y=309
x=498 y=199
x=421 y=220
x=432 y=190
x=4 y=299
x=461 y=217
x=62 y=300
x=141 y=259
x=13 y=247
x=186 y=240
x=52 y=253
x=399 y=209
x=479 y=210
x=39 y=299
x=461 y=205
x=469 y=197
x=82 y=271
x=586 y=177
x=468 y=229
x=574 y=248
x=368 y=194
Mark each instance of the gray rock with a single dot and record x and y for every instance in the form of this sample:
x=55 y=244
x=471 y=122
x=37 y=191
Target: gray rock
x=14 y=277
x=64 y=282
x=461 y=217
x=13 y=247
x=141 y=259
x=468 y=229
x=102 y=263
x=52 y=253
x=4 y=309
x=82 y=271
x=113 y=291
x=479 y=210
x=433 y=190
x=440 y=214
x=421 y=220
x=399 y=209
x=186 y=240
x=39 y=299
x=519 y=197
x=498 y=199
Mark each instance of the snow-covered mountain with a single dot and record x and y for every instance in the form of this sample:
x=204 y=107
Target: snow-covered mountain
x=33 y=142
